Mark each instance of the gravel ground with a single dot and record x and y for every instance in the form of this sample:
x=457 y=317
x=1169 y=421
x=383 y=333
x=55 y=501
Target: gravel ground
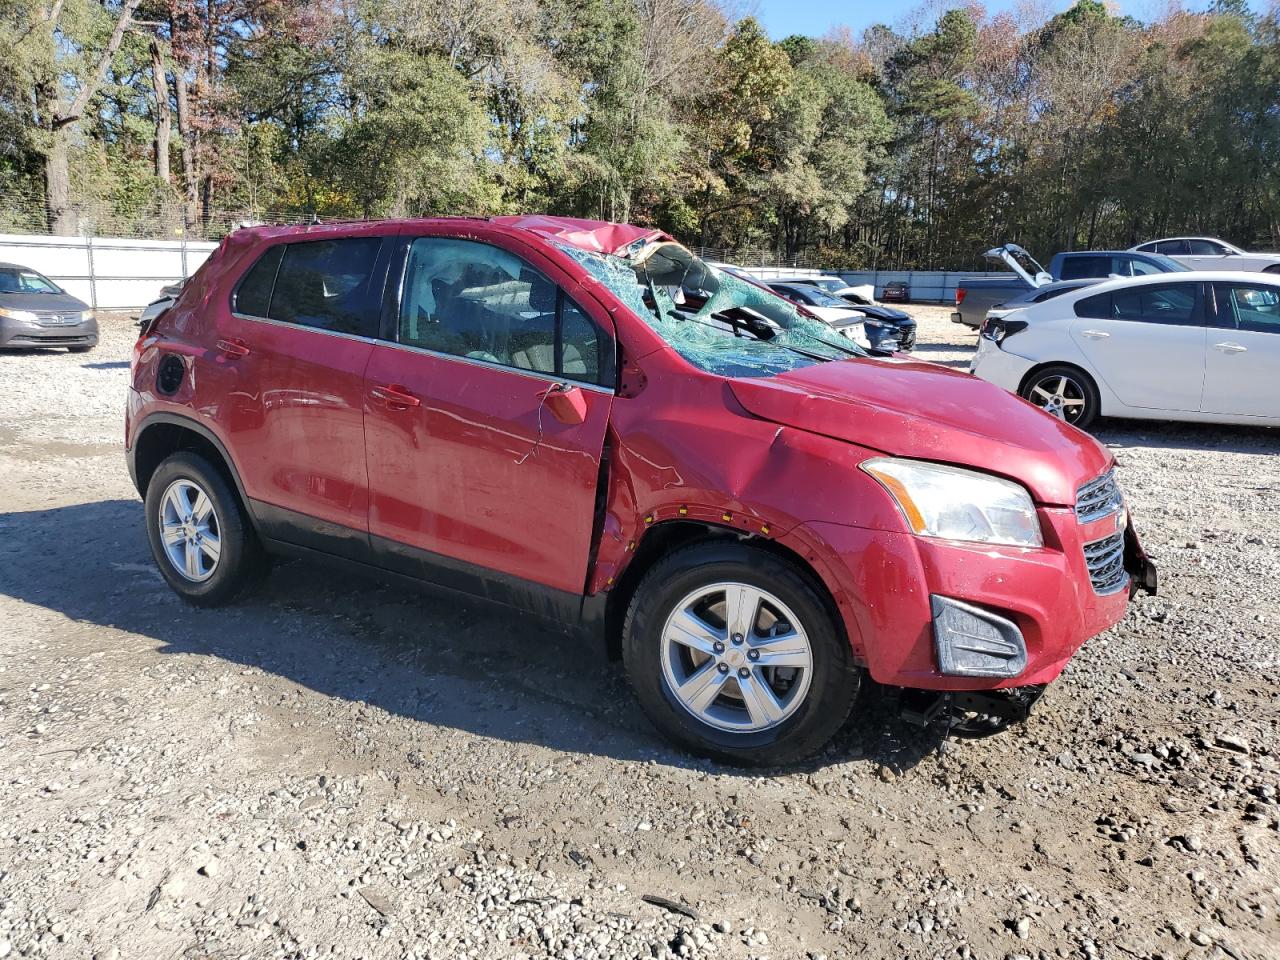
x=341 y=768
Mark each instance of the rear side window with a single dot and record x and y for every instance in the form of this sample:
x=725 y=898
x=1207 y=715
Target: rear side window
x=328 y=285
x=1172 y=248
x=477 y=301
x=1080 y=268
x=1097 y=306
x=253 y=296
x=1173 y=303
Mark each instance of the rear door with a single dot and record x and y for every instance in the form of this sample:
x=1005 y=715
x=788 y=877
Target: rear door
x=293 y=354
x=1242 y=366
x=1147 y=343
x=480 y=478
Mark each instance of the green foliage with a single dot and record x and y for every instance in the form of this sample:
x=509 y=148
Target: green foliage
x=911 y=147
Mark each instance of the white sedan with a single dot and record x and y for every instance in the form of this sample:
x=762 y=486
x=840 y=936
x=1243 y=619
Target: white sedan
x=1204 y=346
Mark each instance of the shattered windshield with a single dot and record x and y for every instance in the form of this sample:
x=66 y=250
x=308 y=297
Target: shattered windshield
x=718 y=322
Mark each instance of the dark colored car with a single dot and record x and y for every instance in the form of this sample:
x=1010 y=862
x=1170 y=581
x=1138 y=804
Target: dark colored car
x=896 y=291
x=886 y=328
x=36 y=312
x=586 y=423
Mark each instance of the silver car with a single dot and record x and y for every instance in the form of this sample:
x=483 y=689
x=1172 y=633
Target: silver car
x=1209 y=253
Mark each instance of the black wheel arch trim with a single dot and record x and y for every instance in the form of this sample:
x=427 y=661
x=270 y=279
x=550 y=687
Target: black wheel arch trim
x=196 y=427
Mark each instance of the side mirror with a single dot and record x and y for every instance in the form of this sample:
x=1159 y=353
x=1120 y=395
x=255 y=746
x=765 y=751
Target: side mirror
x=568 y=404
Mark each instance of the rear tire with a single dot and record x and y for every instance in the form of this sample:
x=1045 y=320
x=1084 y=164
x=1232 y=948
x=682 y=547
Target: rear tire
x=1060 y=389
x=200 y=535
x=757 y=714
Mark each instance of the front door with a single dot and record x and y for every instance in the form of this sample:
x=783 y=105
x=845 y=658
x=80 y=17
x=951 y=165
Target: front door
x=479 y=477
x=296 y=345
x=1146 y=342
x=1242 y=366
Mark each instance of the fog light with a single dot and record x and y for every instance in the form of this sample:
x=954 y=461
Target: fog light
x=972 y=642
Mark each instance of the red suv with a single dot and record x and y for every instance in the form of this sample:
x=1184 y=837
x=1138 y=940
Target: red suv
x=584 y=421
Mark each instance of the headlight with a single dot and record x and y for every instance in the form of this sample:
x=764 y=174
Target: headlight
x=24 y=315
x=86 y=316
x=956 y=504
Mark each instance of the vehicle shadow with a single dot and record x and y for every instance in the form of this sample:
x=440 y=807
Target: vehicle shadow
x=107 y=365
x=1160 y=434
x=443 y=660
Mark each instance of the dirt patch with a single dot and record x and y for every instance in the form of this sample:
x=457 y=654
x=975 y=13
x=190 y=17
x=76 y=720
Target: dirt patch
x=334 y=766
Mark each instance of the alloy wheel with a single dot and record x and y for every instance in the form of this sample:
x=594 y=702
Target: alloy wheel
x=189 y=530
x=1060 y=396
x=736 y=657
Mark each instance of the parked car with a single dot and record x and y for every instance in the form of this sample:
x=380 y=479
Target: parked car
x=1209 y=253
x=976 y=295
x=168 y=294
x=1036 y=295
x=896 y=291
x=1166 y=347
x=881 y=329
x=36 y=312
x=585 y=422
x=857 y=294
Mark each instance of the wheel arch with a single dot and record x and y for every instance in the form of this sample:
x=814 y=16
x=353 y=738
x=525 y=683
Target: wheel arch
x=163 y=434
x=1104 y=394
x=663 y=538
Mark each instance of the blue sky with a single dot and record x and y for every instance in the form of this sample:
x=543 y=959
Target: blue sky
x=816 y=17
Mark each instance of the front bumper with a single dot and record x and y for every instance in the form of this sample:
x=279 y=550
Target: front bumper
x=886 y=584
x=24 y=334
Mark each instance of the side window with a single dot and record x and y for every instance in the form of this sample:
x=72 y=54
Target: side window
x=1080 y=268
x=477 y=301
x=253 y=296
x=1173 y=303
x=1255 y=308
x=1206 y=248
x=1098 y=307
x=1148 y=248
x=1172 y=248
x=1133 y=267
x=328 y=284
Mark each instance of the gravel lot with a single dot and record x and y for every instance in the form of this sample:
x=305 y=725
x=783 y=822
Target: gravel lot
x=334 y=767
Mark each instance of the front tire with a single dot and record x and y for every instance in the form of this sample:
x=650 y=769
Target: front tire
x=1065 y=392
x=735 y=654
x=200 y=535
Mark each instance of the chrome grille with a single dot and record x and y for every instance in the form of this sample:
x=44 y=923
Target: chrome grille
x=49 y=318
x=1105 y=560
x=1099 y=498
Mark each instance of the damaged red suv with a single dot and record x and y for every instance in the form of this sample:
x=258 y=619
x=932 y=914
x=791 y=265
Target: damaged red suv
x=587 y=423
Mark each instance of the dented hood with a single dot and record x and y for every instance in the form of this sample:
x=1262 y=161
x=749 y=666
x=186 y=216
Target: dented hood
x=928 y=412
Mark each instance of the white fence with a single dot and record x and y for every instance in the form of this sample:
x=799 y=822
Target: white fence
x=111 y=273
x=925 y=285
x=108 y=273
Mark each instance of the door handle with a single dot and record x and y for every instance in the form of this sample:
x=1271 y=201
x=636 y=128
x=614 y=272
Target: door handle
x=395 y=396
x=1095 y=334
x=1229 y=347
x=234 y=348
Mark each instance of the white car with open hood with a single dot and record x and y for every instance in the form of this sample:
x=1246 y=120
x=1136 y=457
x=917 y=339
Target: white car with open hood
x=1186 y=346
